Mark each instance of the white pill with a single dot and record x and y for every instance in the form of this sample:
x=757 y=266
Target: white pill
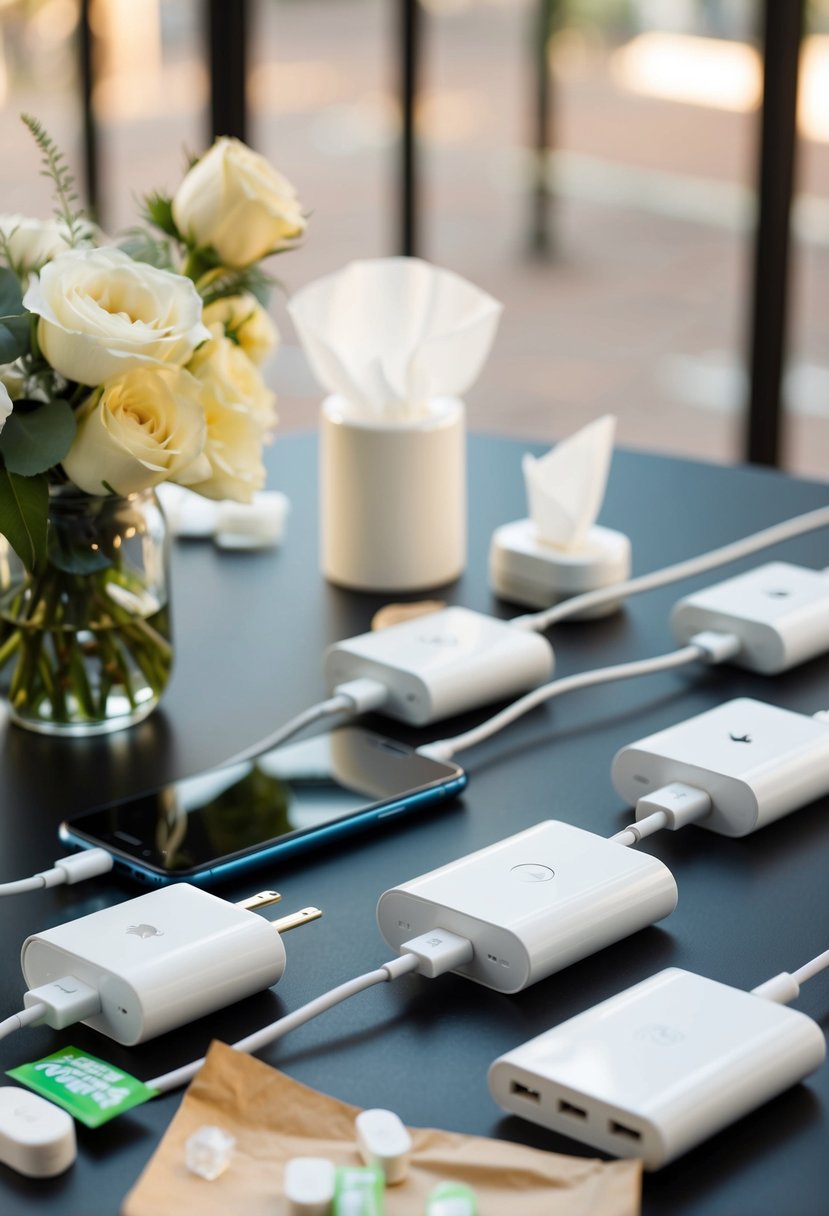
x=308 y=1185
x=384 y=1141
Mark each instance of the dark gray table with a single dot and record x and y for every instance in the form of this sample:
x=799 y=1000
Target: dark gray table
x=249 y=631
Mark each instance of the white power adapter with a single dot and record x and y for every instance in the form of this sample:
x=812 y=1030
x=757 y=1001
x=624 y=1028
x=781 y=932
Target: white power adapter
x=443 y=663
x=158 y=961
x=533 y=903
x=779 y=612
x=755 y=761
x=660 y=1067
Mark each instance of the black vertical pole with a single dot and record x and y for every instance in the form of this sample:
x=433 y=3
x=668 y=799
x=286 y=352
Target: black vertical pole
x=409 y=64
x=90 y=130
x=541 y=195
x=227 y=39
x=783 y=29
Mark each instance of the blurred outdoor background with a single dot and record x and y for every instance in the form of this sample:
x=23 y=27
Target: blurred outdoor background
x=640 y=305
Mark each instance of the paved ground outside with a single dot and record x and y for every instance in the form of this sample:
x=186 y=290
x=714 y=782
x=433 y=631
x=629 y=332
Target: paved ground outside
x=640 y=309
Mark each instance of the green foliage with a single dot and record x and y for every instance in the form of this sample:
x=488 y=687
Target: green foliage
x=14 y=337
x=11 y=294
x=36 y=436
x=158 y=211
x=142 y=246
x=24 y=505
x=235 y=282
x=63 y=180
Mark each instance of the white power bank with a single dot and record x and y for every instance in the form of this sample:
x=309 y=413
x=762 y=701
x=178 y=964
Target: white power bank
x=780 y=613
x=756 y=762
x=533 y=903
x=655 y=1070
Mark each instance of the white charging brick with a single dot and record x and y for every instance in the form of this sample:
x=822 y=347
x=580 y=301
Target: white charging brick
x=160 y=960
x=658 y=1068
x=779 y=612
x=755 y=761
x=443 y=663
x=533 y=903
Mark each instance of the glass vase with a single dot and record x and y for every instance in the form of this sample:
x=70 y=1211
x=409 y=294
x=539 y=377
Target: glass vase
x=85 y=644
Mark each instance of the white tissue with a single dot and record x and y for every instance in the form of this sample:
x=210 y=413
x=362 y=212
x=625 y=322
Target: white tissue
x=389 y=334
x=565 y=488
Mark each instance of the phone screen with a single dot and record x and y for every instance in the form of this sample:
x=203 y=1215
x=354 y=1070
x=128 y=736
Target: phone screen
x=292 y=794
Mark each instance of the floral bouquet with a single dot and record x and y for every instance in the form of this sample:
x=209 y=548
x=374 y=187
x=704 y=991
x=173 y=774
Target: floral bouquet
x=124 y=365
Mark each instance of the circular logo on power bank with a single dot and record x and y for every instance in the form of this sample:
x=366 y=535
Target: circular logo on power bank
x=530 y=872
x=660 y=1035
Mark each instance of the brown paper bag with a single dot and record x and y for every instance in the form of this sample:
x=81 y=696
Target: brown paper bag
x=274 y=1118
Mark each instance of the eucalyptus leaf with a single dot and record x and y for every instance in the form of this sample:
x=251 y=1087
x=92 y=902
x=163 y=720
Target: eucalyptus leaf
x=24 y=507
x=11 y=293
x=34 y=440
x=14 y=337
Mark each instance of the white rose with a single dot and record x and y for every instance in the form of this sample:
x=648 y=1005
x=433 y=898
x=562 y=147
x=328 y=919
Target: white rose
x=238 y=409
x=236 y=202
x=245 y=321
x=101 y=314
x=32 y=242
x=5 y=405
x=139 y=430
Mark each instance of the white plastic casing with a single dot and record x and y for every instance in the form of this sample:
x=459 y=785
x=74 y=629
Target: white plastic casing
x=756 y=762
x=37 y=1138
x=160 y=960
x=658 y=1068
x=443 y=663
x=524 y=569
x=533 y=903
x=779 y=612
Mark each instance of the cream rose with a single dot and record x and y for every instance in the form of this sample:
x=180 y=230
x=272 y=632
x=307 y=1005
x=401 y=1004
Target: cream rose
x=227 y=373
x=6 y=406
x=245 y=321
x=140 y=429
x=234 y=201
x=239 y=410
x=101 y=314
x=32 y=242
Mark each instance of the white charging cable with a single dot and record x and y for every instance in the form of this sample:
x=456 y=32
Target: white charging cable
x=709 y=647
x=785 y=987
x=352 y=697
x=431 y=954
x=75 y=868
x=787 y=530
x=673 y=806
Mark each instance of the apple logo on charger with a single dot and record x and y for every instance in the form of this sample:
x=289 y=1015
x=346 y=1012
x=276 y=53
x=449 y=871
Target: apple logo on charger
x=144 y=931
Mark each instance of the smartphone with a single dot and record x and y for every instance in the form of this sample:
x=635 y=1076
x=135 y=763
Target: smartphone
x=230 y=820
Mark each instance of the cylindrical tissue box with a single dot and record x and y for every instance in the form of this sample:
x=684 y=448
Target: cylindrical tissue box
x=393 y=498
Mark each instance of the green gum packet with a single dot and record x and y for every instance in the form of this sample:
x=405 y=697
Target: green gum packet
x=91 y=1090
x=358 y=1191
x=451 y=1199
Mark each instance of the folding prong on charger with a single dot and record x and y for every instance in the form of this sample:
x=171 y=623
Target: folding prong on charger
x=261 y=900
x=294 y=919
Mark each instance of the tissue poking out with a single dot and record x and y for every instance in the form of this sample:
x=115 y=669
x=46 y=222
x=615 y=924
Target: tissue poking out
x=565 y=488
x=390 y=334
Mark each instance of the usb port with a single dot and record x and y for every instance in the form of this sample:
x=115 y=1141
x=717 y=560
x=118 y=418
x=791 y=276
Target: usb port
x=524 y=1091
x=569 y=1108
x=621 y=1129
